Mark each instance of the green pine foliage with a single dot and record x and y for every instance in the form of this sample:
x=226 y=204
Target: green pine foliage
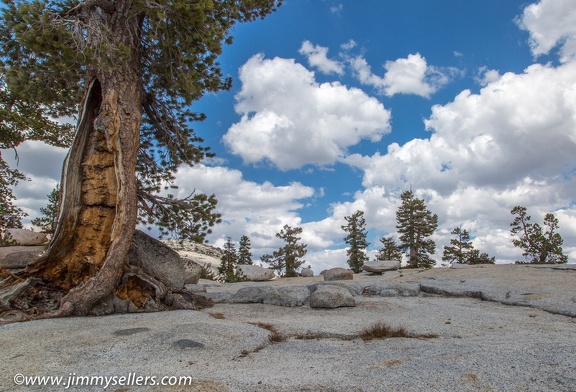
x=48 y=55
x=228 y=271
x=462 y=251
x=287 y=259
x=540 y=246
x=416 y=223
x=49 y=219
x=356 y=239
x=389 y=251
x=244 y=251
x=22 y=120
x=10 y=215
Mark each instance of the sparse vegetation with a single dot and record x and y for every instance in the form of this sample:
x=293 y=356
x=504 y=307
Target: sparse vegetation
x=206 y=272
x=381 y=330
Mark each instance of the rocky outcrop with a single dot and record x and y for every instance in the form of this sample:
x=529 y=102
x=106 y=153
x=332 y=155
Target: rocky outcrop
x=280 y=296
x=26 y=237
x=338 y=274
x=161 y=262
x=17 y=257
x=330 y=297
x=379 y=266
x=192 y=270
x=256 y=273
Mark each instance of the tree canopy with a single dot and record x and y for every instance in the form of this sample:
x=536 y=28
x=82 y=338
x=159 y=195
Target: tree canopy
x=50 y=47
x=389 y=251
x=129 y=70
x=244 y=251
x=416 y=223
x=461 y=250
x=288 y=258
x=540 y=246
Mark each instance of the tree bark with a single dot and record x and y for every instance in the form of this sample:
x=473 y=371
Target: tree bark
x=99 y=207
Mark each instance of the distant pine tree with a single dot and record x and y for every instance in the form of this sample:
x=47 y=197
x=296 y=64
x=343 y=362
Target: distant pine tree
x=228 y=271
x=461 y=250
x=390 y=250
x=540 y=247
x=415 y=224
x=356 y=239
x=287 y=259
x=49 y=219
x=244 y=251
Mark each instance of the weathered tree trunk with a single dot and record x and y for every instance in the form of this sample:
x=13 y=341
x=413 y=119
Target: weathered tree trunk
x=99 y=208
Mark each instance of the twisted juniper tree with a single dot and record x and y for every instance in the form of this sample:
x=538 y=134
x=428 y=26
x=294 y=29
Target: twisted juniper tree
x=129 y=68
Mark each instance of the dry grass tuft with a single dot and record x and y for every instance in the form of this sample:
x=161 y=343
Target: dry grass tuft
x=381 y=330
x=275 y=335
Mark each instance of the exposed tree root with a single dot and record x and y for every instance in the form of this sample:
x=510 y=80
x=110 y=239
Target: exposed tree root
x=23 y=300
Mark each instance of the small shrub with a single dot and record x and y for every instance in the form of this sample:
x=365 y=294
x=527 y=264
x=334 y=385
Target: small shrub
x=207 y=273
x=381 y=330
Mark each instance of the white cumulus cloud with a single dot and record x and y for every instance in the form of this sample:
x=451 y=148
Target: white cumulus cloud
x=318 y=58
x=411 y=75
x=258 y=210
x=551 y=23
x=291 y=120
x=512 y=144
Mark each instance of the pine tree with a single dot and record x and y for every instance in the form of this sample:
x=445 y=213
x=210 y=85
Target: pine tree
x=47 y=222
x=480 y=258
x=462 y=251
x=228 y=271
x=460 y=247
x=389 y=251
x=244 y=251
x=415 y=224
x=10 y=215
x=539 y=247
x=132 y=68
x=356 y=239
x=287 y=259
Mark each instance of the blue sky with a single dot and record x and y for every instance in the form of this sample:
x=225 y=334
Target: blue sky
x=342 y=105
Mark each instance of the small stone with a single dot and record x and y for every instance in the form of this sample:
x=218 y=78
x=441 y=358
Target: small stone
x=306 y=272
x=338 y=274
x=255 y=273
x=330 y=297
x=379 y=266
